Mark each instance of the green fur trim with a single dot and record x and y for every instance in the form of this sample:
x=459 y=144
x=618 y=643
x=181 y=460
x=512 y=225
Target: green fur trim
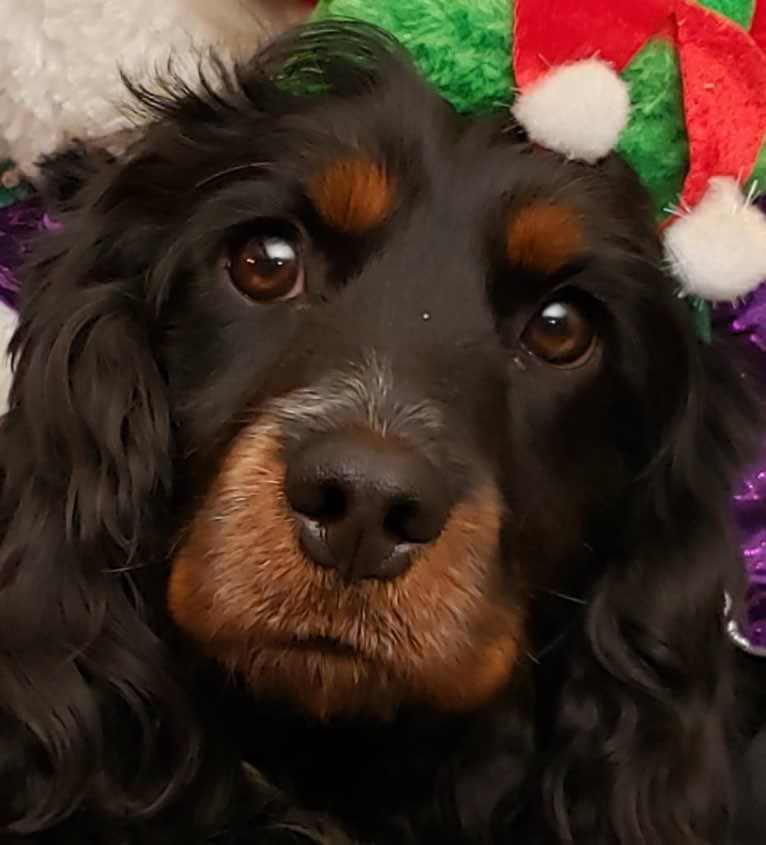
x=758 y=176
x=464 y=49
x=740 y=11
x=703 y=321
x=655 y=141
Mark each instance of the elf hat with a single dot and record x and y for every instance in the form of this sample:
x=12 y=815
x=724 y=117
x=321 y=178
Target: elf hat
x=678 y=87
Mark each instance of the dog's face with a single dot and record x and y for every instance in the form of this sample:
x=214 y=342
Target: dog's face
x=399 y=352
x=406 y=345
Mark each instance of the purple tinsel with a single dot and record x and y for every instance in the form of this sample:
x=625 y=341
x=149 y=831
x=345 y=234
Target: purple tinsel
x=19 y=222
x=25 y=218
x=748 y=318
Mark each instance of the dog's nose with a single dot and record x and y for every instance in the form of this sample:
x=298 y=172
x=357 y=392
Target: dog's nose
x=364 y=503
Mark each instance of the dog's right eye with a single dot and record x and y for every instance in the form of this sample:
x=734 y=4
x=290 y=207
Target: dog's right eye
x=267 y=268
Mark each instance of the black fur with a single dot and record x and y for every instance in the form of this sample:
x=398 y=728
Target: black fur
x=136 y=366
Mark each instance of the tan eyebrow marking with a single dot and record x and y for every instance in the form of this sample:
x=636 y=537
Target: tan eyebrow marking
x=354 y=194
x=543 y=237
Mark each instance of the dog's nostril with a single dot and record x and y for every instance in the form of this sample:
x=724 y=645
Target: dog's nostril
x=324 y=502
x=363 y=502
x=408 y=522
x=334 y=503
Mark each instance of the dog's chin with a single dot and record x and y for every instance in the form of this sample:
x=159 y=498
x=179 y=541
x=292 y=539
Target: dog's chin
x=356 y=661
x=319 y=678
x=324 y=678
x=326 y=665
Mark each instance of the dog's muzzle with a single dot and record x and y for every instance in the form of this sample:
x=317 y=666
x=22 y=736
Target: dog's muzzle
x=334 y=564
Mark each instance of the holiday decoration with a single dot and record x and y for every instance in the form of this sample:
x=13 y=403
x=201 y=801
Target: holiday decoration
x=678 y=87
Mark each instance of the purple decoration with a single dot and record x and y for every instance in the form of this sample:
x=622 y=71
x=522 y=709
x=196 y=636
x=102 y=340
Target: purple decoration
x=748 y=318
x=20 y=222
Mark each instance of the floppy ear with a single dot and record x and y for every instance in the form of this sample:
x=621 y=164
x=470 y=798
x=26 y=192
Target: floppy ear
x=89 y=711
x=641 y=728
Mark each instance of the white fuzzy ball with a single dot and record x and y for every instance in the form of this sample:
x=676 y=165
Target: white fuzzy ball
x=718 y=250
x=579 y=110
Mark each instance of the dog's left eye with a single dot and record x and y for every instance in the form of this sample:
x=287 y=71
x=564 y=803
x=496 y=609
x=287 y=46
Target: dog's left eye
x=562 y=333
x=267 y=268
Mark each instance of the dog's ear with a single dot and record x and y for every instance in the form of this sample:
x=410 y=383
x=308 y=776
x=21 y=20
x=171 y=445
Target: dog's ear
x=640 y=746
x=89 y=709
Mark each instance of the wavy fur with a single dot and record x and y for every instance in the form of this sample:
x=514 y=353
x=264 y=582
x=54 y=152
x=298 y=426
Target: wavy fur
x=621 y=733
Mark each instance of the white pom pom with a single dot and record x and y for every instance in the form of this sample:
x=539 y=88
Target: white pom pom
x=718 y=250
x=579 y=110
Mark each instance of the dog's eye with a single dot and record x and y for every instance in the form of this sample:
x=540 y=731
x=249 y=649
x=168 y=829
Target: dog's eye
x=267 y=268
x=561 y=334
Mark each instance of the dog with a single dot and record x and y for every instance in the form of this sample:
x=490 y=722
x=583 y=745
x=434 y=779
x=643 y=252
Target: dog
x=364 y=480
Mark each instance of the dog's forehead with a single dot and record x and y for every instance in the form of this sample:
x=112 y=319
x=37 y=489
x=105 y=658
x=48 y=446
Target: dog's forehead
x=449 y=200
x=465 y=171
x=460 y=163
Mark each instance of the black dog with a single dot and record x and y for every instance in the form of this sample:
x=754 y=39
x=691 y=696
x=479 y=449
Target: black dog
x=364 y=480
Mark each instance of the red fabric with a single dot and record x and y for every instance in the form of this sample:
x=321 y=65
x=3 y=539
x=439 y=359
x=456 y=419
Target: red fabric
x=758 y=28
x=724 y=79
x=553 y=32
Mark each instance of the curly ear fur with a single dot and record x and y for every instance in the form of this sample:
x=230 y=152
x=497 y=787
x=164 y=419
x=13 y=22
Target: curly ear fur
x=85 y=451
x=642 y=715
